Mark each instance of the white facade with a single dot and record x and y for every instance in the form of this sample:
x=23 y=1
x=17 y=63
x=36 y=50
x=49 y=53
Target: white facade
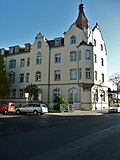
x=74 y=66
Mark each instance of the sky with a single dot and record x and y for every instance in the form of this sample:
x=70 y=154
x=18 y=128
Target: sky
x=22 y=20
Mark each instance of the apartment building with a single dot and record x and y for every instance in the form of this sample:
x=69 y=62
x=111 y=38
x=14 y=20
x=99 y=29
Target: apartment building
x=73 y=66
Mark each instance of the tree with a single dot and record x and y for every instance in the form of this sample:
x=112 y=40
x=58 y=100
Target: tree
x=115 y=79
x=4 y=84
x=33 y=91
x=58 y=101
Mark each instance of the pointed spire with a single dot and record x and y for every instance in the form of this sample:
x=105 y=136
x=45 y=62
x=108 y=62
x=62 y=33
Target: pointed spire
x=82 y=21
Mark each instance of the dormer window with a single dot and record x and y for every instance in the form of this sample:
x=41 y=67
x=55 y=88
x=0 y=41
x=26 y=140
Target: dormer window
x=39 y=44
x=57 y=42
x=11 y=50
x=27 y=47
x=2 y=51
x=17 y=49
x=73 y=40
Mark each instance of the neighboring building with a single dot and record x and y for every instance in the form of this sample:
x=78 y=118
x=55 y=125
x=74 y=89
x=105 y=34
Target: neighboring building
x=74 y=66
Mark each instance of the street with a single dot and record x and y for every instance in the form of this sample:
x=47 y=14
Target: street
x=56 y=137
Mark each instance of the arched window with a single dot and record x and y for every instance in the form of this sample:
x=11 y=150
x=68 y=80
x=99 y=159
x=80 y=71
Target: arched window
x=39 y=44
x=38 y=76
x=39 y=58
x=73 y=95
x=12 y=77
x=73 y=40
x=57 y=92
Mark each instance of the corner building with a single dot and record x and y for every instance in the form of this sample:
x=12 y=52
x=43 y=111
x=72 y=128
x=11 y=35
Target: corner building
x=73 y=66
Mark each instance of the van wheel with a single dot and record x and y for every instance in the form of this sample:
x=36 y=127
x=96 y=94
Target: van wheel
x=5 y=111
x=35 y=112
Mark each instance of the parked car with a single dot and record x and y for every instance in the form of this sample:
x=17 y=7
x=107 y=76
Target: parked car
x=114 y=109
x=34 y=108
x=7 y=107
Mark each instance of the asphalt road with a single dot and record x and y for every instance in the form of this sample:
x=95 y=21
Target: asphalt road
x=49 y=137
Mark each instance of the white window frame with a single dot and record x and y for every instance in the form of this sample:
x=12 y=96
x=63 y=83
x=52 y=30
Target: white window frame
x=12 y=77
x=58 y=58
x=73 y=56
x=22 y=62
x=39 y=58
x=88 y=73
x=88 y=55
x=57 y=92
x=57 y=75
x=73 y=74
x=73 y=95
x=12 y=63
x=73 y=40
x=39 y=44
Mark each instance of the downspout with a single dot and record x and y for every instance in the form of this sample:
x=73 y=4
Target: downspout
x=49 y=69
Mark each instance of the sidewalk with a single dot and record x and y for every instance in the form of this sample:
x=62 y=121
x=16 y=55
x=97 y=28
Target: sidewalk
x=81 y=113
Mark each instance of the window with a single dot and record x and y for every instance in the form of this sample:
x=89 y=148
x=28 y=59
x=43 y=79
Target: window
x=73 y=40
x=73 y=74
x=13 y=93
x=80 y=73
x=94 y=42
x=103 y=98
x=88 y=73
x=57 y=42
x=27 y=77
x=101 y=47
x=96 y=96
x=17 y=49
x=95 y=58
x=28 y=61
x=57 y=75
x=12 y=77
x=39 y=58
x=73 y=56
x=22 y=62
x=58 y=58
x=57 y=92
x=87 y=55
x=21 y=78
x=102 y=62
x=38 y=76
x=11 y=50
x=27 y=47
x=102 y=77
x=12 y=63
x=22 y=93
x=73 y=95
x=39 y=44
x=96 y=75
